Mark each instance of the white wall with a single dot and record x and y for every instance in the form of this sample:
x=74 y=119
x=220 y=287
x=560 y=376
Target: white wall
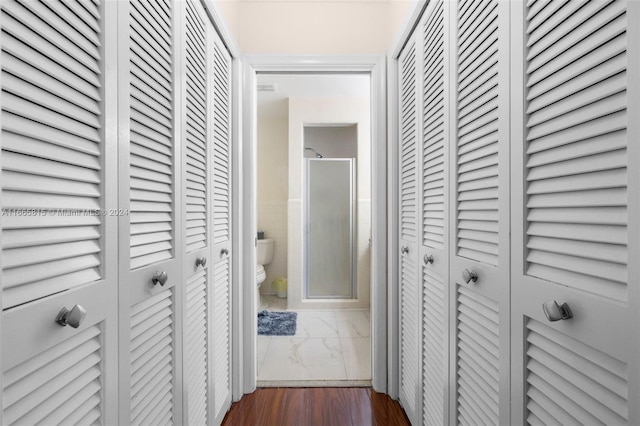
x=332 y=142
x=330 y=27
x=328 y=111
x=273 y=192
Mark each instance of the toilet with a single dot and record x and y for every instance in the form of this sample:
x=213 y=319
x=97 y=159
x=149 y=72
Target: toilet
x=264 y=257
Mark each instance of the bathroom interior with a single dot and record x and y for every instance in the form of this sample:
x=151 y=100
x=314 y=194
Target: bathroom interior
x=313 y=204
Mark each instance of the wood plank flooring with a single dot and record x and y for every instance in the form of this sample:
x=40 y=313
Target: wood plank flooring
x=315 y=407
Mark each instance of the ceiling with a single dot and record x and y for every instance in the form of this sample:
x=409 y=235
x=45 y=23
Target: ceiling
x=274 y=104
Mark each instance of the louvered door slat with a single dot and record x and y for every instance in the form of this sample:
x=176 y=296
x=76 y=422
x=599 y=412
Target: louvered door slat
x=85 y=24
x=85 y=12
x=221 y=335
x=65 y=26
x=160 y=15
x=31 y=15
x=157 y=33
x=408 y=142
x=196 y=166
x=478 y=127
x=434 y=349
x=574 y=174
x=52 y=119
x=20 y=37
x=221 y=144
x=479 y=386
x=601 y=397
x=409 y=332
x=197 y=354
x=433 y=140
x=151 y=131
x=27 y=104
x=31 y=79
x=151 y=328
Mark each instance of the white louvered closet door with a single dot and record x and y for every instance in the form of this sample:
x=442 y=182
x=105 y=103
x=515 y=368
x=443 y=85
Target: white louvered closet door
x=196 y=157
x=434 y=241
x=220 y=298
x=58 y=190
x=576 y=220
x=150 y=236
x=480 y=214
x=410 y=177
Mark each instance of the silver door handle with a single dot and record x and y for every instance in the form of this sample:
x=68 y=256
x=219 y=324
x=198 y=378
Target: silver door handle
x=73 y=317
x=160 y=278
x=201 y=261
x=555 y=312
x=404 y=250
x=428 y=258
x=469 y=276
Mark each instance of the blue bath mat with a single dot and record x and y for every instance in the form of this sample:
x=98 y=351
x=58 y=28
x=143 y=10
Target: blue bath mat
x=277 y=323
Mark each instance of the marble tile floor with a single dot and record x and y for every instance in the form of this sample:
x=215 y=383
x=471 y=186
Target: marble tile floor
x=331 y=347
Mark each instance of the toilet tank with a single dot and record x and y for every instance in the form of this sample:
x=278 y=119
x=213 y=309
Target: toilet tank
x=265 y=251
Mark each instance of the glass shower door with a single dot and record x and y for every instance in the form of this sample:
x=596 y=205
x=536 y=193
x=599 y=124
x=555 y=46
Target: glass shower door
x=329 y=254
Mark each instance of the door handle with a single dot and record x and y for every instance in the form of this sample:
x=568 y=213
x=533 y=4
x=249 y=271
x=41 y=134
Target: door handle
x=404 y=250
x=469 y=276
x=428 y=258
x=201 y=261
x=555 y=312
x=224 y=252
x=160 y=278
x=73 y=317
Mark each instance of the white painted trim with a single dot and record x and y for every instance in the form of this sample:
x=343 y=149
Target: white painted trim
x=379 y=201
x=237 y=179
x=245 y=251
x=393 y=320
x=370 y=64
x=410 y=24
x=221 y=28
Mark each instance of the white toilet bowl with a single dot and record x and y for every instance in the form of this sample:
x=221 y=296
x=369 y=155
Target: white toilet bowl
x=261 y=275
x=264 y=257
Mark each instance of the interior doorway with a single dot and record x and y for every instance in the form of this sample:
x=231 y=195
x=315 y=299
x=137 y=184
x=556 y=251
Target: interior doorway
x=370 y=68
x=313 y=219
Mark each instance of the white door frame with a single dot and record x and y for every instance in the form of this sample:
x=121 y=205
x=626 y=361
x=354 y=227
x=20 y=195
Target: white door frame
x=374 y=65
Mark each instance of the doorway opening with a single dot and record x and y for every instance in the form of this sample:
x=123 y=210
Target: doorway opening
x=245 y=290
x=313 y=221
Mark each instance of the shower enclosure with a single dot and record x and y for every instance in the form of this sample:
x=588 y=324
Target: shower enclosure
x=330 y=228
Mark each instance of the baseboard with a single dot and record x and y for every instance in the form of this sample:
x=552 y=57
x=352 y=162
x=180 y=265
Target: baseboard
x=313 y=383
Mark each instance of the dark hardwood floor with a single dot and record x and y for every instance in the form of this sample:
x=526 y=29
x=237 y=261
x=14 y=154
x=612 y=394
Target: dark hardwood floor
x=315 y=407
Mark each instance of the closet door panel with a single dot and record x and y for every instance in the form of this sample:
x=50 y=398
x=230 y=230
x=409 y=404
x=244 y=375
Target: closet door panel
x=575 y=217
x=150 y=236
x=410 y=289
x=53 y=374
x=434 y=197
x=220 y=297
x=480 y=217
x=196 y=158
x=58 y=222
